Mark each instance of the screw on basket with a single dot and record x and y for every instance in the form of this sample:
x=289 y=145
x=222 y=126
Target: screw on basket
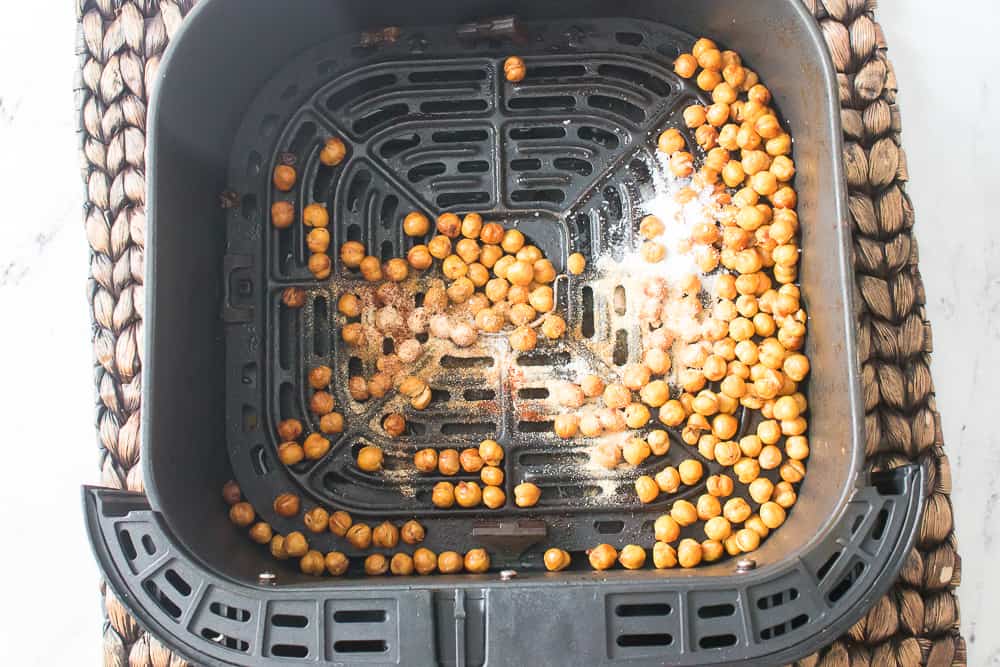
x=745 y=565
x=267 y=578
x=507 y=575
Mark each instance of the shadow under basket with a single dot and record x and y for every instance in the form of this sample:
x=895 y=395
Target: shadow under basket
x=432 y=125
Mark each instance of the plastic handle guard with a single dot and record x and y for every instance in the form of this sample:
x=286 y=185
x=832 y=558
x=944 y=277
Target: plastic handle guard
x=773 y=615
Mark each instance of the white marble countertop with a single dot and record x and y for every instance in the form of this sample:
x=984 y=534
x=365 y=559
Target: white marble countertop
x=946 y=63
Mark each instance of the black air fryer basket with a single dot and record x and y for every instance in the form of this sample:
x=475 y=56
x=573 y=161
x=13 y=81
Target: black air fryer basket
x=432 y=125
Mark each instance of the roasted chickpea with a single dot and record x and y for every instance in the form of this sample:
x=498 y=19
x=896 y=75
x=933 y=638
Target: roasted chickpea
x=784 y=494
x=636 y=415
x=566 y=425
x=576 y=263
x=668 y=480
x=541 y=298
x=425 y=561
x=376 y=565
x=553 y=327
x=443 y=495
x=477 y=561
x=797 y=447
x=295 y=545
x=689 y=553
x=520 y=273
x=514 y=69
x=385 y=536
x=472 y=225
x=351 y=254
x=339 y=523
x=290 y=453
x=242 y=514
x=286 y=505
x=359 y=535
x=371 y=269
x=690 y=471
x=449 y=225
x=412 y=532
x=284 y=177
x=491 y=452
x=261 y=533
x=736 y=510
x=724 y=426
x=468 y=250
x=401 y=565
x=664 y=556
x=719 y=486
x=666 y=528
x=312 y=563
x=617 y=396
x=659 y=442
x=747 y=540
x=556 y=560
x=319 y=265
x=494 y=497
x=672 y=413
x=317 y=520
x=792 y=471
x=370 y=458
x=602 y=557
x=685 y=65
x=523 y=339
x=282 y=214
x=336 y=563
x=315 y=215
x=321 y=403
x=450 y=562
x=632 y=557
x=526 y=494
x=718 y=528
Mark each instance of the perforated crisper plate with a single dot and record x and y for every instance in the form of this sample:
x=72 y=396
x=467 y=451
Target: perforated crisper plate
x=564 y=156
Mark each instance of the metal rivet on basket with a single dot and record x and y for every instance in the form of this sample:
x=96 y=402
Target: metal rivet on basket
x=507 y=575
x=267 y=578
x=745 y=565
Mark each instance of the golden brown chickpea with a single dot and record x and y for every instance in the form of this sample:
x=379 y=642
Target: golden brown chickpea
x=708 y=79
x=340 y=521
x=284 y=177
x=385 y=536
x=711 y=550
x=684 y=513
x=461 y=291
x=668 y=479
x=705 y=403
x=672 y=413
x=319 y=377
x=616 y=396
x=412 y=532
x=792 y=471
x=401 y=565
x=479 y=275
x=371 y=269
x=526 y=494
x=317 y=520
x=689 y=553
x=636 y=415
x=472 y=225
x=685 y=65
x=477 y=561
x=709 y=58
x=492 y=233
x=468 y=494
x=718 y=528
x=694 y=116
x=321 y=403
x=336 y=563
x=566 y=425
x=544 y=271
x=449 y=225
x=747 y=540
x=659 y=442
x=426 y=460
x=443 y=495
x=312 y=563
x=707 y=136
x=666 y=528
x=784 y=494
x=494 y=497
x=490 y=475
x=376 y=565
x=468 y=250
x=523 y=339
x=454 y=267
x=439 y=247
x=520 y=273
x=282 y=214
x=556 y=560
x=353 y=333
x=690 y=471
x=541 y=298
x=449 y=462
x=664 y=556
x=315 y=215
x=333 y=152
x=489 y=255
x=470 y=460
x=359 y=535
x=636 y=450
x=286 y=505
x=242 y=514
x=553 y=327
x=755 y=524
x=635 y=377
x=708 y=507
x=719 y=486
x=632 y=557
x=736 y=510
x=724 y=426
x=450 y=562
x=370 y=458
x=425 y=561
x=576 y=263
x=797 y=447
x=296 y=544
x=727 y=453
x=290 y=453
x=602 y=557
x=419 y=257
x=289 y=429
x=261 y=533
x=529 y=254
x=491 y=452
x=514 y=69
x=489 y=320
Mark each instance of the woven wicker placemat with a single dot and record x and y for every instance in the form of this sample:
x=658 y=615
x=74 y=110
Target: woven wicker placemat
x=916 y=623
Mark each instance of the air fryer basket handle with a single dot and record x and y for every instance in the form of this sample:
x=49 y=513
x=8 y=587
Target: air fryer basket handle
x=769 y=616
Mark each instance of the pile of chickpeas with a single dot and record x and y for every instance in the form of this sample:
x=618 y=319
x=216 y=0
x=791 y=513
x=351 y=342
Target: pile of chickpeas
x=743 y=350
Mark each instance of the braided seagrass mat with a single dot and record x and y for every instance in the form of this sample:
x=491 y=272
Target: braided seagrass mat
x=120 y=44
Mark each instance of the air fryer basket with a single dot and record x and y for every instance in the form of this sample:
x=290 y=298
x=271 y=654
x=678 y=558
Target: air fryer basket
x=431 y=126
